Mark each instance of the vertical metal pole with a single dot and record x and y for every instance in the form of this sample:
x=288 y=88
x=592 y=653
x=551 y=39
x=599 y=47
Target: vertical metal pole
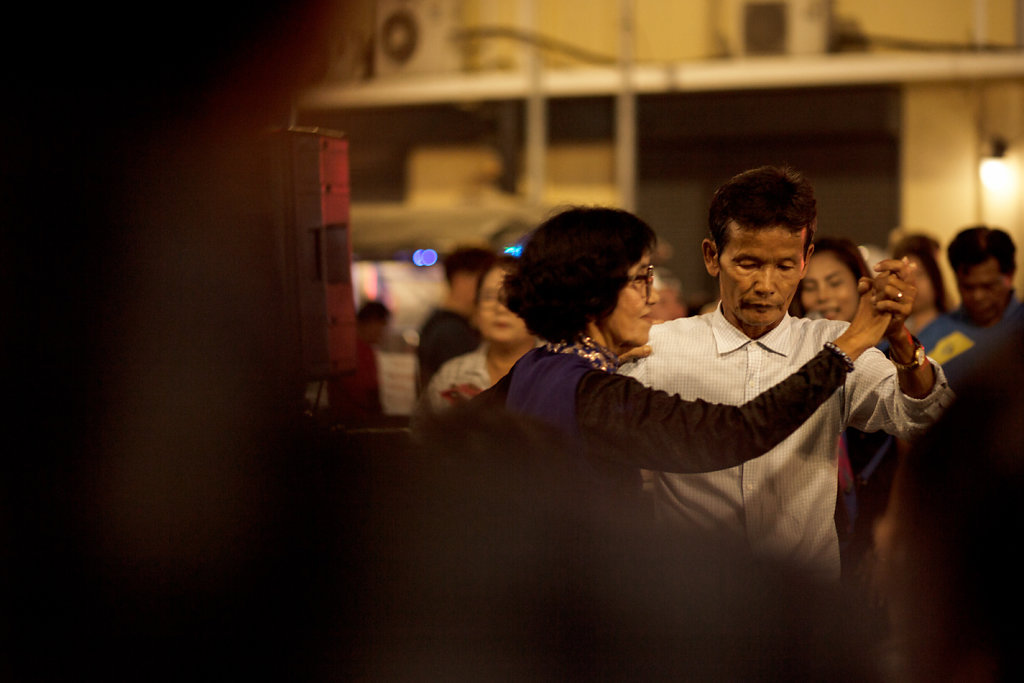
x=625 y=112
x=981 y=134
x=1019 y=6
x=980 y=24
x=536 y=111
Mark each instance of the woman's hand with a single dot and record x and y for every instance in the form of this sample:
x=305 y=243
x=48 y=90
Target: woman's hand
x=870 y=322
x=635 y=353
x=894 y=293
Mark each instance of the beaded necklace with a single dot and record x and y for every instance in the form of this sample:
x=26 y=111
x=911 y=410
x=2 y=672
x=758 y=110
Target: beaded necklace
x=589 y=350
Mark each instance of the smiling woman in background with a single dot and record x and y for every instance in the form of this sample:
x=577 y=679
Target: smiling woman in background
x=829 y=290
x=932 y=300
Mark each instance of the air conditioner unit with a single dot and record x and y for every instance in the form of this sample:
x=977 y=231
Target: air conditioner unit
x=783 y=27
x=415 y=36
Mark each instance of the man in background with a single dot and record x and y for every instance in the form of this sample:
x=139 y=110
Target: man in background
x=449 y=331
x=983 y=260
x=355 y=397
x=670 y=303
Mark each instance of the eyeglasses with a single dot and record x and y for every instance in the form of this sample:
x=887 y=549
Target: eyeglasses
x=489 y=296
x=646 y=276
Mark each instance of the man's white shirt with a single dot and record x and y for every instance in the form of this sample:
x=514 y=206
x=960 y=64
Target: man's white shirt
x=781 y=505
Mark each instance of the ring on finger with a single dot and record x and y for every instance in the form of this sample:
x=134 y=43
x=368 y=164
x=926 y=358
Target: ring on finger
x=899 y=295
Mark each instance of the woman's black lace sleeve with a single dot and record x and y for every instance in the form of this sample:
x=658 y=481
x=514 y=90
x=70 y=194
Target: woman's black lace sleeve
x=622 y=420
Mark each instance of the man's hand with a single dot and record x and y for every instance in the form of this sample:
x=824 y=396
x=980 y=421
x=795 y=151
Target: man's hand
x=894 y=293
x=868 y=325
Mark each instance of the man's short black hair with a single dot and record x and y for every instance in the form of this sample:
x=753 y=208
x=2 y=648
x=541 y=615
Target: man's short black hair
x=475 y=260
x=763 y=197
x=572 y=268
x=978 y=244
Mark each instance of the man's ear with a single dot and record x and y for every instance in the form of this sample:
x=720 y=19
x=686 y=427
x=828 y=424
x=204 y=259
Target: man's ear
x=710 y=257
x=807 y=260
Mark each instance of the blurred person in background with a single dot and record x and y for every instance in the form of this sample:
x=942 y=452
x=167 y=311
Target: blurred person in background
x=671 y=303
x=449 y=330
x=829 y=289
x=354 y=398
x=505 y=340
x=984 y=262
x=932 y=299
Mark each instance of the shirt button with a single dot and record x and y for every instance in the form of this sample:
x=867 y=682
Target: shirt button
x=749 y=487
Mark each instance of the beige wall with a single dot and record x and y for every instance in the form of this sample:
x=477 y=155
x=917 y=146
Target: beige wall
x=664 y=30
x=932 y=20
x=696 y=29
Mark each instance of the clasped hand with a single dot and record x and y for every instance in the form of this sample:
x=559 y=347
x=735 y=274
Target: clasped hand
x=885 y=300
x=893 y=292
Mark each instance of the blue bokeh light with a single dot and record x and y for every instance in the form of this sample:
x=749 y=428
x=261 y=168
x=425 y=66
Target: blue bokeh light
x=424 y=257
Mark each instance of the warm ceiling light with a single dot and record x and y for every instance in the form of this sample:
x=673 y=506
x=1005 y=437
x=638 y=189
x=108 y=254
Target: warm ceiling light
x=995 y=172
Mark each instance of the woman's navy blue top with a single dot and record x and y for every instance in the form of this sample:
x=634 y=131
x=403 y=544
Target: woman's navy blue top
x=622 y=426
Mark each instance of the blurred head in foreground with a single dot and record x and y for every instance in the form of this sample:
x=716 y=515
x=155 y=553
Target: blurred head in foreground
x=947 y=557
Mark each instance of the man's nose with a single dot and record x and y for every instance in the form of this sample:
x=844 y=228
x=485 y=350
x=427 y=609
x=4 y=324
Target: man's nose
x=975 y=294
x=764 y=281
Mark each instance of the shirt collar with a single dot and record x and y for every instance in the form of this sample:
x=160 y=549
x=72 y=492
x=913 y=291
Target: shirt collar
x=729 y=338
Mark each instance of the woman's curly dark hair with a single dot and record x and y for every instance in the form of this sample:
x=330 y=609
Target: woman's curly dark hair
x=572 y=269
